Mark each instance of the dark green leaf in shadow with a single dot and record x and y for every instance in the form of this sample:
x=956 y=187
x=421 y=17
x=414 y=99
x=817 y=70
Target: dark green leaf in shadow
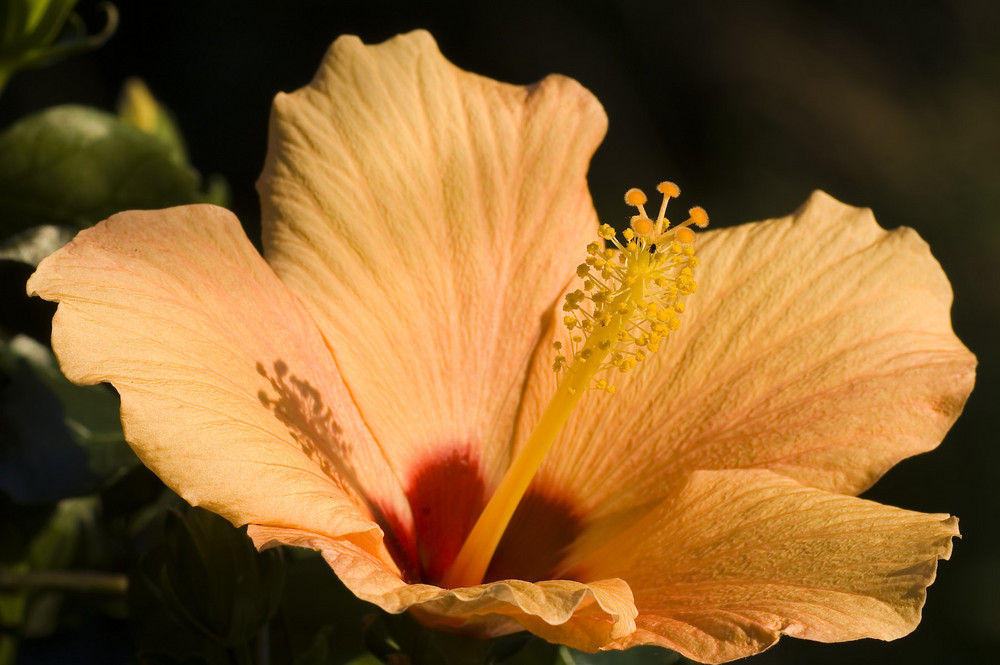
x=74 y=166
x=62 y=439
x=204 y=591
x=530 y=650
x=92 y=413
x=73 y=525
x=326 y=650
x=400 y=638
x=34 y=609
x=644 y=655
x=39 y=460
x=19 y=526
x=318 y=615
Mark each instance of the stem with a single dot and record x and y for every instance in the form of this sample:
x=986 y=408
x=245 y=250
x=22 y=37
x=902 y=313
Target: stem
x=82 y=581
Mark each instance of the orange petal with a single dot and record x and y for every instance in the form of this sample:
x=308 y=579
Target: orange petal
x=583 y=616
x=429 y=218
x=817 y=345
x=228 y=391
x=731 y=560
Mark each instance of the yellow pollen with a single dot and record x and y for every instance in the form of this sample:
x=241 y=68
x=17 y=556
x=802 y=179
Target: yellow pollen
x=685 y=235
x=641 y=225
x=699 y=216
x=628 y=302
x=635 y=197
x=669 y=189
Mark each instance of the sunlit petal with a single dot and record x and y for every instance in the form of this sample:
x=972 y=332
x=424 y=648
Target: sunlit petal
x=429 y=218
x=817 y=345
x=585 y=616
x=228 y=391
x=731 y=560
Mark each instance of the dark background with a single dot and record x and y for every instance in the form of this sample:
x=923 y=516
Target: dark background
x=748 y=106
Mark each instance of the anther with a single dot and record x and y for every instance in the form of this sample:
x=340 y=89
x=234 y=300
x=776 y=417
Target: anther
x=635 y=197
x=698 y=216
x=668 y=189
x=641 y=225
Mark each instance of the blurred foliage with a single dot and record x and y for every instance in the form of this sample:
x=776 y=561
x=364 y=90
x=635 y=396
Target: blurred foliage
x=634 y=656
x=203 y=593
x=139 y=108
x=58 y=439
x=75 y=166
x=35 y=546
x=37 y=32
x=74 y=504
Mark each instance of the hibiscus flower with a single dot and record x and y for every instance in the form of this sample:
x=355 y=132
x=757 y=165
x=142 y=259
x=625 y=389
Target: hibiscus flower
x=364 y=390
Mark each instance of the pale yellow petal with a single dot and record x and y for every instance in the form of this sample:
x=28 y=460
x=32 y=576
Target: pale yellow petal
x=429 y=218
x=585 y=616
x=228 y=391
x=731 y=560
x=817 y=345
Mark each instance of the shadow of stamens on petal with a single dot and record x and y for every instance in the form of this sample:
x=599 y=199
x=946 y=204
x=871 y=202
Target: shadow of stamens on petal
x=300 y=407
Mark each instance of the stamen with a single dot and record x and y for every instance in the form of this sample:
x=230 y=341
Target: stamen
x=669 y=191
x=635 y=197
x=629 y=302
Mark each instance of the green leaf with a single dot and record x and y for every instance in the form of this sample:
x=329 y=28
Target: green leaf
x=645 y=655
x=31 y=25
x=326 y=649
x=56 y=546
x=60 y=439
x=318 y=613
x=92 y=413
x=40 y=32
x=39 y=461
x=74 y=166
x=533 y=651
x=204 y=591
x=400 y=637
